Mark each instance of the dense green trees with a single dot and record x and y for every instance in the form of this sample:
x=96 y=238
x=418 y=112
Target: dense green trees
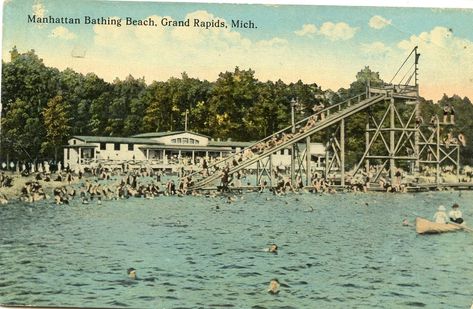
x=57 y=123
x=43 y=107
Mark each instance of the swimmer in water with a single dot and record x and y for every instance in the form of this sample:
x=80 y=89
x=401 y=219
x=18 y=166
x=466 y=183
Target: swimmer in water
x=131 y=273
x=405 y=222
x=273 y=286
x=273 y=249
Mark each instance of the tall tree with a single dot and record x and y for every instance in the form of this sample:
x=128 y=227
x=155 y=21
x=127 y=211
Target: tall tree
x=22 y=133
x=231 y=98
x=57 y=123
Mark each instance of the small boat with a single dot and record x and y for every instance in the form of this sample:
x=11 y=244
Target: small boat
x=424 y=226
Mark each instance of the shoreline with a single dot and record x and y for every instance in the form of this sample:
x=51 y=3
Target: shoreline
x=425 y=185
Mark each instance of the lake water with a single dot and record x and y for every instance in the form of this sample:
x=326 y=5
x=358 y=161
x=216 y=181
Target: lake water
x=349 y=252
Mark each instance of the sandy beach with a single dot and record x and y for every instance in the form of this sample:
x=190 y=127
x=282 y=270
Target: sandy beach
x=13 y=192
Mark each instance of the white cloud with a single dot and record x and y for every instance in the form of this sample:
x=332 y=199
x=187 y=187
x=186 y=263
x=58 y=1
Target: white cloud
x=62 y=33
x=39 y=9
x=161 y=52
x=446 y=61
x=307 y=29
x=334 y=32
x=375 y=48
x=338 y=31
x=439 y=37
x=274 y=42
x=378 y=22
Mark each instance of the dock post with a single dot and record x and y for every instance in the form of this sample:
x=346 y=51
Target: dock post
x=258 y=178
x=392 y=142
x=367 y=142
x=437 y=173
x=293 y=165
x=308 y=157
x=342 y=152
x=326 y=161
x=458 y=163
x=416 y=137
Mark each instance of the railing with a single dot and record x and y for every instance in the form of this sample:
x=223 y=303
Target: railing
x=332 y=109
x=396 y=90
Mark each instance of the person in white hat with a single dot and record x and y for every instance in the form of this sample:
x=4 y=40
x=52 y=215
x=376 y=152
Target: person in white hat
x=441 y=216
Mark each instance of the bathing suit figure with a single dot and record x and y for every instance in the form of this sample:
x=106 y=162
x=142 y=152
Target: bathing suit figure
x=273 y=286
x=131 y=273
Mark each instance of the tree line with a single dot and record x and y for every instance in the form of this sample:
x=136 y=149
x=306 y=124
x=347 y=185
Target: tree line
x=42 y=107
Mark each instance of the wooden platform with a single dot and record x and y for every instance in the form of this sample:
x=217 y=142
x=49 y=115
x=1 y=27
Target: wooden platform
x=424 y=187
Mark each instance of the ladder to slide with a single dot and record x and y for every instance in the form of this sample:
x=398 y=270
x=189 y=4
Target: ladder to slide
x=333 y=114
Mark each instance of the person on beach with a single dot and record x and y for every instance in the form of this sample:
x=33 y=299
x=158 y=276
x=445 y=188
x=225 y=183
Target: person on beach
x=5 y=181
x=262 y=185
x=273 y=286
x=69 y=178
x=3 y=199
x=441 y=216
x=455 y=214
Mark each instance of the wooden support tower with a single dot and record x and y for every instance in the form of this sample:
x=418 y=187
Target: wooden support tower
x=394 y=138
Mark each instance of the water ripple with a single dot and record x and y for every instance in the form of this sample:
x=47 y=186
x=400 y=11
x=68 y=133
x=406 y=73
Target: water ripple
x=351 y=253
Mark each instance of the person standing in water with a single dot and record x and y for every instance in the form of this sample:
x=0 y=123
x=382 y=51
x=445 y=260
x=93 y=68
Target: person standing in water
x=273 y=286
x=131 y=273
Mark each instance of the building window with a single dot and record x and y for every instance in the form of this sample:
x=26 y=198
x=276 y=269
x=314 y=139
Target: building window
x=103 y=146
x=185 y=141
x=74 y=142
x=179 y=141
x=197 y=141
x=67 y=154
x=130 y=147
x=173 y=141
x=116 y=146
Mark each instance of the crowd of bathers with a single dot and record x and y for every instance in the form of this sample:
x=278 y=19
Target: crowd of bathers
x=104 y=184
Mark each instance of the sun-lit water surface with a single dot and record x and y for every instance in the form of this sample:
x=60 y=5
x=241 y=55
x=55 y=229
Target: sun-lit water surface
x=349 y=252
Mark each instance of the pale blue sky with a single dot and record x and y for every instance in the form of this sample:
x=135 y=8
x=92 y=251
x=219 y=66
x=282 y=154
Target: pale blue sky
x=322 y=44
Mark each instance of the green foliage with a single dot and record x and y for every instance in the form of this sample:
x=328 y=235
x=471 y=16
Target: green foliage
x=43 y=107
x=56 y=117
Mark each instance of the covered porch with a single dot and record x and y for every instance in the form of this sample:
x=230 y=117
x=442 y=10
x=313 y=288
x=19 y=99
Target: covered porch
x=173 y=155
x=79 y=155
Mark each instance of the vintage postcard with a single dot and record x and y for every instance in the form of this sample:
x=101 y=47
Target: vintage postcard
x=204 y=155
